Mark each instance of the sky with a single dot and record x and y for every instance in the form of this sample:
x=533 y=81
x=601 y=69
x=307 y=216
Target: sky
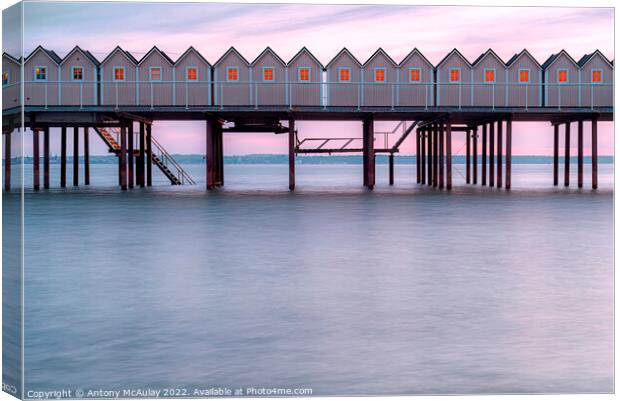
x=324 y=29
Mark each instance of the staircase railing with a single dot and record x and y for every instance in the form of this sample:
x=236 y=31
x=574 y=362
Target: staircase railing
x=168 y=161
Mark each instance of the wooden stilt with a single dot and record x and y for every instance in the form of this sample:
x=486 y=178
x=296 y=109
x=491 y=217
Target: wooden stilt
x=140 y=169
x=435 y=155
x=149 y=157
x=442 y=153
x=492 y=154
x=211 y=158
x=391 y=160
x=63 y=157
x=500 y=151
x=123 y=156
x=46 y=158
x=86 y=157
x=475 y=151
x=429 y=156
x=484 y=155
x=220 y=153
x=556 y=153
x=508 y=153
x=7 y=160
x=423 y=156
x=291 y=154
x=449 y=155
x=76 y=156
x=369 y=144
x=130 y=172
x=417 y=156
x=580 y=154
x=567 y=155
x=594 y=153
x=35 y=159
x=467 y=156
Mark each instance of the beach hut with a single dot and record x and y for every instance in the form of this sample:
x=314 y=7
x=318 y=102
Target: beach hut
x=268 y=77
x=78 y=76
x=454 y=78
x=524 y=84
x=561 y=81
x=597 y=78
x=11 y=77
x=155 y=80
x=415 y=80
x=117 y=74
x=344 y=80
x=232 y=80
x=489 y=84
x=41 y=77
x=380 y=77
x=305 y=76
x=192 y=77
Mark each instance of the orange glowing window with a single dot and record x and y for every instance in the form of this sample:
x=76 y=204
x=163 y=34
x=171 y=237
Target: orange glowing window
x=267 y=74
x=345 y=74
x=304 y=74
x=562 y=76
x=233 y=74
x=596 y=76
x=192 y=74
x=380 y=75
x=155 y=73
x=524 y=76
x=414 y=75
x=455 y=75
x=489 y=75
x=119 y=73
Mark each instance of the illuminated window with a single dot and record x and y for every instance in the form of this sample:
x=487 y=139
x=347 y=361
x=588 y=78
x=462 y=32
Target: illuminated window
x=524 y=75
x=40 y=73
x=192 y=74
x=155 y=73
x=5 y=78
x=380 y=75
x=344 y=74
x=77 y=73
x=304 y=74
x=597 y=75
x=268 y=74
x=232 y=74
x=455 y=75
x=489 y=75
x=415 y=75
x=562 y=76
x=119 y=73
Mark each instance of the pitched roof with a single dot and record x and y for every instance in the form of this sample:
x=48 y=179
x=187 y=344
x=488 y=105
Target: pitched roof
x=521 y=53
x=268 y=50
x=483 y=55
x=85 y=53
x=381 y=51
x=233 y=50
x=126 y=54
x=455 y=50
x=50 y=53
x=587 y=57
x=155 y=49
x=304 y=49
x=341 y=52
x=13 y=59
x=411 y=53
x=554 y=57
x=190 y=50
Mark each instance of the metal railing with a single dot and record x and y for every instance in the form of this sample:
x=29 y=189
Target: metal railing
x=170 y=163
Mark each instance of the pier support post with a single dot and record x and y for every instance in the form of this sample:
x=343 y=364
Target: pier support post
x=140 y=169
x=211 y=162
x=369 y=146
x=475 y=152
x=594 y=153
x=492 y=154
x=500 y=151
x=508 y=153
x=417 y=156
x=391 y=160
x=63 y=157
x=556 y=153
x=7 y=160
x=220 y=154
x=35 y=158
x=484 y=155
x=580 y=154
x=567 y=155
x=46 y=158
x=429 y=156
x=435 y=154
x=423 y=156
x=130 y=172
x=86 y=157
x=76 y=156
x=149 y=157
x=467 y=156
x=442 y=153
x=123 y=155
x=291 y=154
x=449 y=155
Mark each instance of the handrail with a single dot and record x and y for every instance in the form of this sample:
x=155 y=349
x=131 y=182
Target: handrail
x=168 y=159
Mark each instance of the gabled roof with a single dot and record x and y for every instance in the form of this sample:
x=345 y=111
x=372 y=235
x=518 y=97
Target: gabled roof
x=13 y=59
x=232 y=50
x=517 y=56
x=268 y=50
x=411 y=54
x=381 y=51
x=126 y=54
x=192 y=50
x=155 y=49
x=485 y=54
x=587 y=57
x=554 y=57
x=85 y=53
x=443 y=60
x=305 y=50
x=50 y=53
x=340 y=53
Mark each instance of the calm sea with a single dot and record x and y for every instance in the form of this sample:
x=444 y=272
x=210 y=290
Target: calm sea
x=403 y=290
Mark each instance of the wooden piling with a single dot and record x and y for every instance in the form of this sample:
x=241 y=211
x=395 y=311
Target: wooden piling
x=220 y=153
x=86 y=157
x=46 y=158
x=391 y=160
x=508 y=153
x=141 y=157
x=449 y=155
x=417 y=156
x=149 y=157
x=580 y=154
x=429 y=156
x=435 y=154
x=291 y=154
x=467 y=156
x=423 y=156
x=500 y=150
x=369 y=144
x=556 y=153
x=76 y=156
x=567 y=155
x=475 y=156
x=123 y=156
x=594 y=153
x=441 y=154
x=484 y=154
x=492 y=154
x=63 y=157
x=7 y=160
x=211 y=158
x=35 y=159
x=130 y=172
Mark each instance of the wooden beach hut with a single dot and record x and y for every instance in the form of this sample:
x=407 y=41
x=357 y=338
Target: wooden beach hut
x=78 y=75
x=415 y=80
x=117 y=83
x=11 y=77
x=561 y=81
x=269 y=79
x=41 y=78
x=489 y=84
x=232 y=80
x=525 y=81
x=454 y=78
x=305 y=76
x=380 y=78
x=344 y=80
x=597 y=78
x=192 y=77
x=155 y=79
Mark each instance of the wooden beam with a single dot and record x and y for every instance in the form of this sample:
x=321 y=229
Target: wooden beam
x=391 y=162
x=449 y=155
x=580 y=154
x=63 y=157
x=123 y=156
x=508 y=153
x=475 y=151
x=556 y=153
x=442 y=153
x=220 y=153
x=435 y=154
x=141 y=157
x=130 y=172
x=467 y=156
x=46 y=158
x=7 y=160
x=500 y=150
x=76 y=156
x=429 y=155
x=291 y=153
x=86 y=156
x=417 y=156
x=35 y=159
x=369 y=145
x=149 y=157
x=210 y=153
x=594 y=153
x=423 y=156
x=484 y=154
x=567 y=155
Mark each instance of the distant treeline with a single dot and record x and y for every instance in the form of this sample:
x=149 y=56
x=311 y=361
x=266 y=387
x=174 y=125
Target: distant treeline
x=305 y=159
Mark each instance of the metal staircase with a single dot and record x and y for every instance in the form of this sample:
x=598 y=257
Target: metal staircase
x=159 y=156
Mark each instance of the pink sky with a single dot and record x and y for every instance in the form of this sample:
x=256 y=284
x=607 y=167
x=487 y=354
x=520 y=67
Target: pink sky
x=213 y=28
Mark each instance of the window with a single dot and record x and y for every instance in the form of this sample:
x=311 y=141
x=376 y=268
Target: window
x=489 y=75
x=415 y=75
x=562 y=75
x=119 y=73
x=232 y=74
x=455 y=75
x=5 y=78
x=304 y=74
x=192 y=74
x=597 y=76
x=344 y=74
x=268 y=74
x=40 y=73
x=155 y=73
x=524 y=75
x=77 y=73
x=380 y=75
